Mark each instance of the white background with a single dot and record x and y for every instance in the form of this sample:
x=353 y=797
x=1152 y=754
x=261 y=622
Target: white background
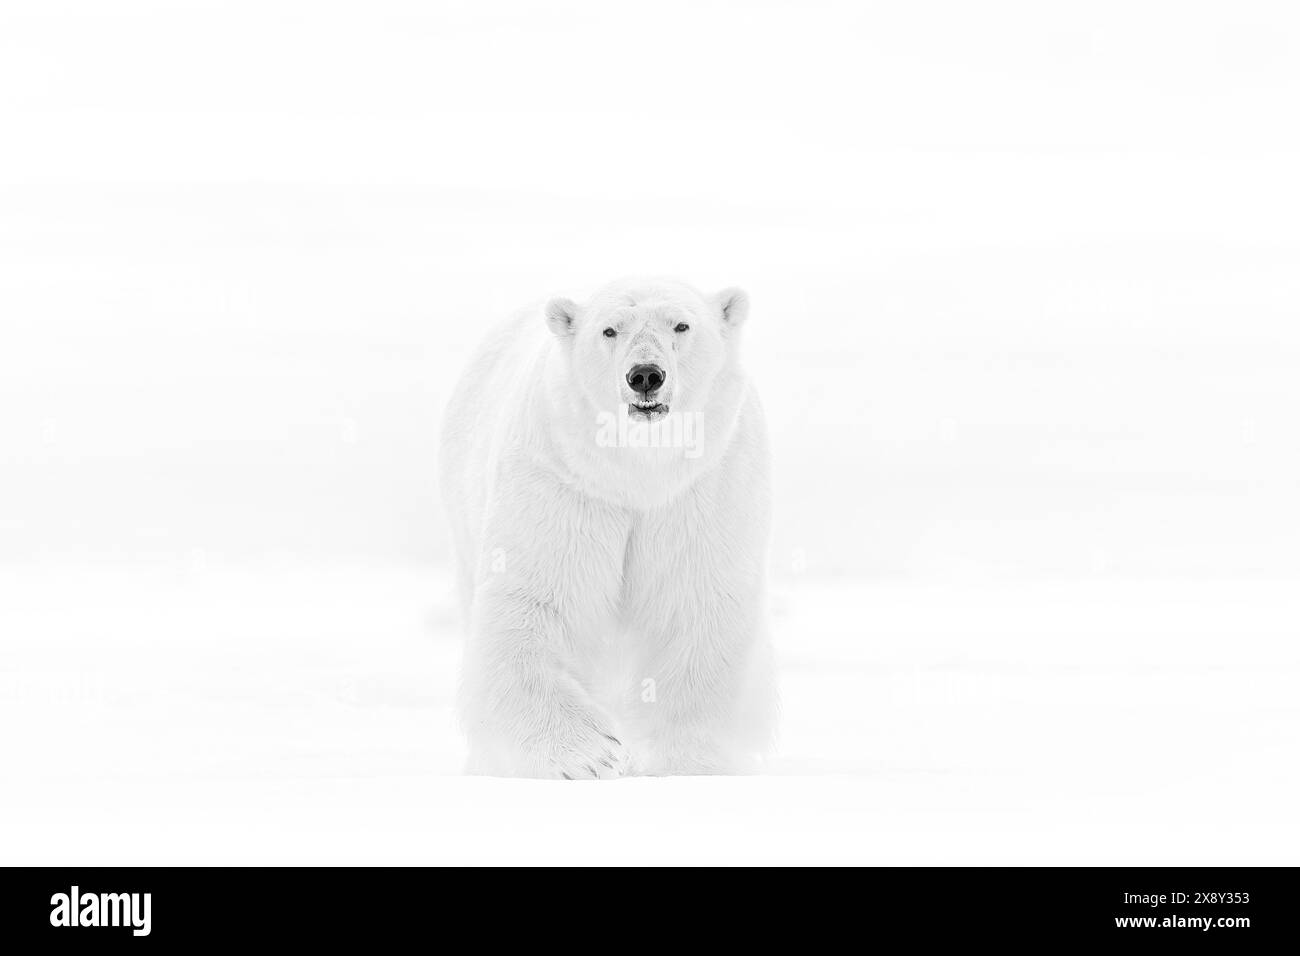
x=1025 y=283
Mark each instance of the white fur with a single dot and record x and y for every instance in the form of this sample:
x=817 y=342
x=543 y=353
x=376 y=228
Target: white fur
x=595 y=577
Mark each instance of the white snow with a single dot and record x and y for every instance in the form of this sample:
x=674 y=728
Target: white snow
x=273 y=714
x=1024 y=283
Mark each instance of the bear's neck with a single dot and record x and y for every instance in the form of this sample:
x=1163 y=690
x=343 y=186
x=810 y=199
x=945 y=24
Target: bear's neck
x=630 y=463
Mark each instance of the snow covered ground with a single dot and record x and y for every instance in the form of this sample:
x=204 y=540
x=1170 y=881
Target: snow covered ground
x=1024 y=322
x=283 y=714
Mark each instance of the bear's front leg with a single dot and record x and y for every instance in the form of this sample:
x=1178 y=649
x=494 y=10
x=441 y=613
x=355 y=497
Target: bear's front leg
x=705 y=697
x=547 y=584
x=526 y=714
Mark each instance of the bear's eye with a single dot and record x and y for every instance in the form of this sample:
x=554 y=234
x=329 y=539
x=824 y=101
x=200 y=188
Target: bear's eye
x=681 y=327
x=610 y=333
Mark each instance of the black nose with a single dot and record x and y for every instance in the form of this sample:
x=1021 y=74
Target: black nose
x=645 y=378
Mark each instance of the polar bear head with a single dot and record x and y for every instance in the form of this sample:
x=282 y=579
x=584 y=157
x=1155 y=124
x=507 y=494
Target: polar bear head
x=649 y=347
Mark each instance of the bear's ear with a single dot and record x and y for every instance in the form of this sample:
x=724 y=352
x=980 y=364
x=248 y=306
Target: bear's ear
x=734 y=305
x=560 y=313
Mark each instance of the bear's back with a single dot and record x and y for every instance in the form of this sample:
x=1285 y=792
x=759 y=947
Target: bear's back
x=472 y=422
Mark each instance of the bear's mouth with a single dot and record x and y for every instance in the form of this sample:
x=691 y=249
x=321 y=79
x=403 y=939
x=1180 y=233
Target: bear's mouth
x=646 y=411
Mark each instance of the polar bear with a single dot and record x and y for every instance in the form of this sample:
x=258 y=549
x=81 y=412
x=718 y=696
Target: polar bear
x=605 y=471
